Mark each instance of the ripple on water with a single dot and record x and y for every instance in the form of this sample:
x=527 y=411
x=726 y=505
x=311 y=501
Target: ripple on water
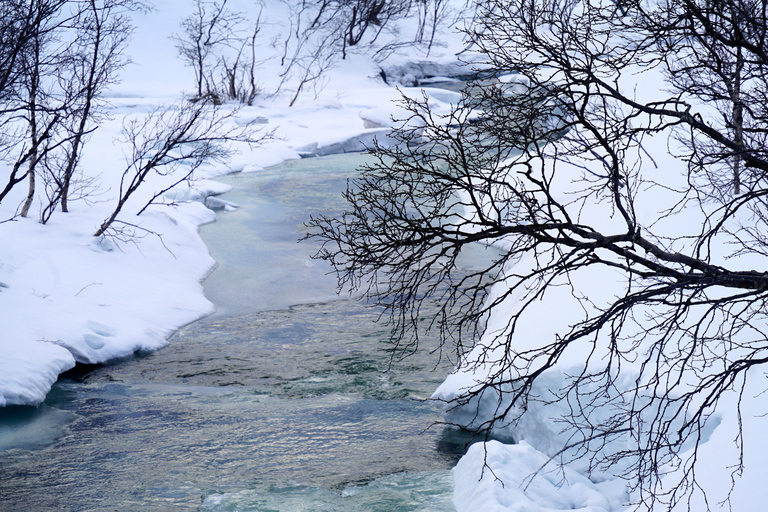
x=228 y=404
x=403 y=492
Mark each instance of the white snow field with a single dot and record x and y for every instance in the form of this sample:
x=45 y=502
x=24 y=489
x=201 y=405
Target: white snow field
x=68 y=297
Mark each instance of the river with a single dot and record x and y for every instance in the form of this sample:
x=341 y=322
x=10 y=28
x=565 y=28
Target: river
x=283 y=400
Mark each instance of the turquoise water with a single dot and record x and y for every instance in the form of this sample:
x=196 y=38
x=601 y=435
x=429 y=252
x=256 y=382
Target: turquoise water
x=284 y=400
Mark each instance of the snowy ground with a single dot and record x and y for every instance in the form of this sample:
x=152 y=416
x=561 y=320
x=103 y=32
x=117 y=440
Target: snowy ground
x=66 y=296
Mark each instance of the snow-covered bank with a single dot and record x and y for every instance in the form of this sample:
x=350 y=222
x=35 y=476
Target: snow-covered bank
x=69 y=297
x=547 y=425
x=519 y=478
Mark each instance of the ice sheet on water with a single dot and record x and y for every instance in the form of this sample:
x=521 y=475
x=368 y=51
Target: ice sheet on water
x=26 y=427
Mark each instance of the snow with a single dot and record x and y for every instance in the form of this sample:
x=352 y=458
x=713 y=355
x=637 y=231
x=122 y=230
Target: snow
x=29 y=368
x=501 y=476
x=71 y=297
x=68 y=297
x=506 y=482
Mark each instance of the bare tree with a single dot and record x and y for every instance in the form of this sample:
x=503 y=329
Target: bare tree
x=220 y=46
x=575 y=171
x=174 y=143
x=207 y=28
x=309 y=48
x=309 y=64
x=364 y=16
x=32 y=78
x=102 y=30
x=240 y=70
x=19 y=24
x=348 y=21
x=432 y=14
x=27 y=120
x=73 y=53
x=323 y=31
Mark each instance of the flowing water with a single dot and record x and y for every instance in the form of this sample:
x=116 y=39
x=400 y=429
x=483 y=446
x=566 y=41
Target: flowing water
x=284 y=400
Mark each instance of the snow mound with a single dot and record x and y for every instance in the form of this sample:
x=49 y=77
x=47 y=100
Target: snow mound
x=518 y=478
x=29 y=369
x=75 y=298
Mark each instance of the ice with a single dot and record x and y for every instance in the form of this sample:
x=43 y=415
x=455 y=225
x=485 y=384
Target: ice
x=216 y=204
x=25 y=427
x=355 y=144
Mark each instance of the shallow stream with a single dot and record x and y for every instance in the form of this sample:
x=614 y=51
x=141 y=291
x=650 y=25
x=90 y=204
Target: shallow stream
x=284 y=400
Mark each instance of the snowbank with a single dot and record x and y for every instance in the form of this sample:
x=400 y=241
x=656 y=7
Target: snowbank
x=496 y=477
x=28 y=369
x=539 y=430
x=69 y=297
